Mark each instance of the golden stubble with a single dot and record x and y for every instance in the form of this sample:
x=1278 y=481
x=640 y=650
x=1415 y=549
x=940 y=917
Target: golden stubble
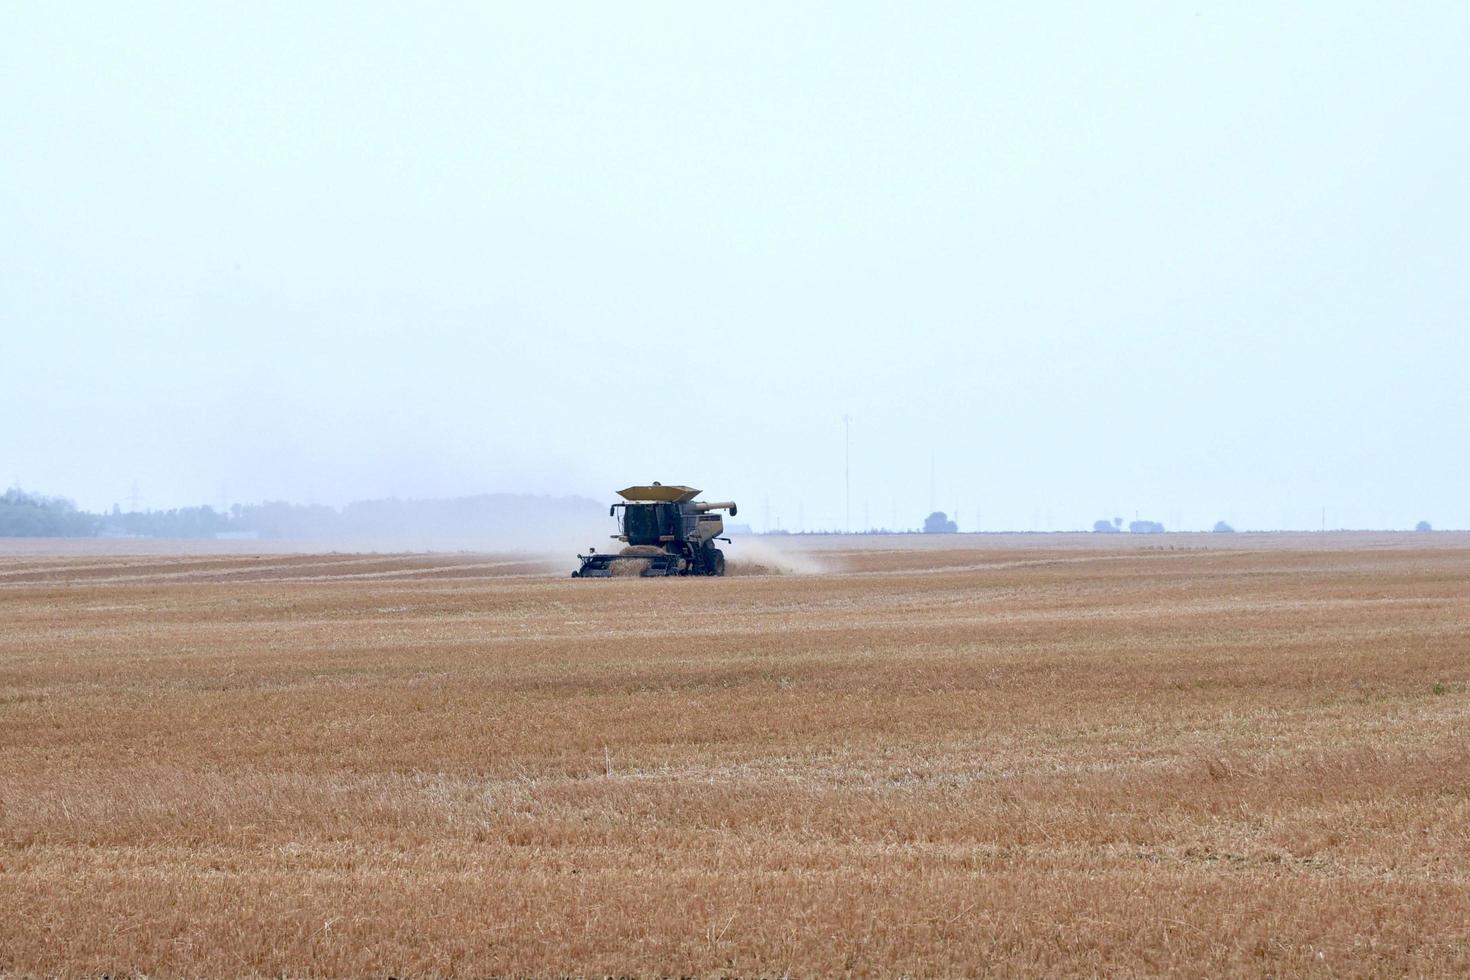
x=941 y=760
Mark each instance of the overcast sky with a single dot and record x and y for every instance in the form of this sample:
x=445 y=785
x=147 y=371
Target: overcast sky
x=1186 y=261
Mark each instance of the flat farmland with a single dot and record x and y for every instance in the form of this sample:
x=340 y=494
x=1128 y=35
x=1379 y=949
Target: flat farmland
x=977 y=755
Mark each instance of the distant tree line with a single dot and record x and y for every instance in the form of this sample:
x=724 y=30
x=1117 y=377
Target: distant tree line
x=32 y=515
x=183 y=522
x=1134 y=527
x=504 y=519
x=29 y=515
x=509 y=519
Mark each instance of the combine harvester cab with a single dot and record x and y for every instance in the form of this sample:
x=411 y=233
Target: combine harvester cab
x=664 y=531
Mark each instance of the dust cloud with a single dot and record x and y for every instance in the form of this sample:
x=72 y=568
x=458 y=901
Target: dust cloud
x=749 y=555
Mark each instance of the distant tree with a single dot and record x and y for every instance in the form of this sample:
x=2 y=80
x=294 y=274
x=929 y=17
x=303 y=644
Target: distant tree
x=1222 y=528
x=29 y=515
x=939 y=523
x=1145 y=527
x=1104 y=527
x=185 y=522
x=1118 y=523
x=1423 y=526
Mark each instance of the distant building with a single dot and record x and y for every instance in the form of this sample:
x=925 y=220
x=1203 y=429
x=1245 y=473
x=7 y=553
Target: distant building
x=738 y=529
x=1145 y=527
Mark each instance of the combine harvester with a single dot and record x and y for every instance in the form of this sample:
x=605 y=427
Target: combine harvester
x=664 y=532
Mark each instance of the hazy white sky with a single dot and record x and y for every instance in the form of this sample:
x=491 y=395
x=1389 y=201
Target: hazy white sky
x=1190 y=261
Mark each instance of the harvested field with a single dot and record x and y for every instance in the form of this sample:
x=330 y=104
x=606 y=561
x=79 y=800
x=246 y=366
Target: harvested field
x=1038 y=754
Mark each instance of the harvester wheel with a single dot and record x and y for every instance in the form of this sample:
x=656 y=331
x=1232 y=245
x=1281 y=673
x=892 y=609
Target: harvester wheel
x=719 y=563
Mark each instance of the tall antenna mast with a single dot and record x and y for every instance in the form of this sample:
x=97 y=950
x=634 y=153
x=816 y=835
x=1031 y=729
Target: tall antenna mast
x=931 y=481
x=847 y=474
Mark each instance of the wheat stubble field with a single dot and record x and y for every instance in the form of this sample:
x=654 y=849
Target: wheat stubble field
x=987 y=755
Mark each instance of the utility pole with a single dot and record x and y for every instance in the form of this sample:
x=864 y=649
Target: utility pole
x=931 y=481
x=847 y=474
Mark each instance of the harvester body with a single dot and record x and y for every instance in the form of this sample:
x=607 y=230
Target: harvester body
x=664 y=531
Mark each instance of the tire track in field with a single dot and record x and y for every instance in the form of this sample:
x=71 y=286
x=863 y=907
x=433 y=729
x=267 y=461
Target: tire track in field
x=227 y=568
x=63 y=566
x=405 y=567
